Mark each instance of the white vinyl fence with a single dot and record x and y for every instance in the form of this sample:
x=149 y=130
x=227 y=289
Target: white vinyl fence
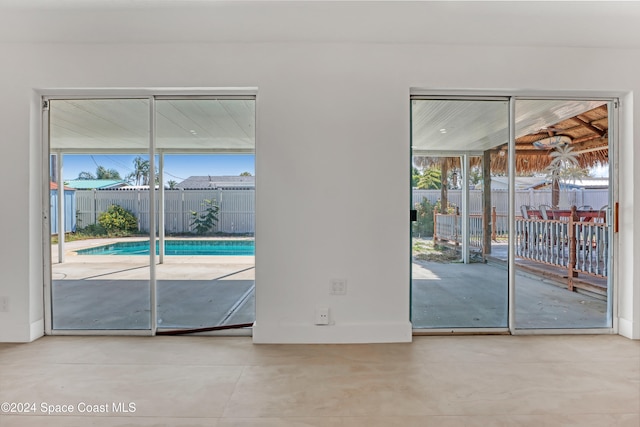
x=237 y=206
x=236 y=214
x=596 y=198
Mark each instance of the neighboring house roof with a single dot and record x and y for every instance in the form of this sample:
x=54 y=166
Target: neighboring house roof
x=54 y=186
x=94 y=184
x=537 y=183
x=522 y=182
x=198 y=182
x=586 y=183
x=592 y=183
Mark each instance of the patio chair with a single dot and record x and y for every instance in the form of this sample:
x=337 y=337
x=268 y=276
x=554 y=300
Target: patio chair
x=584 y=208
x=546 y=212
x=524 y=209
x=602 y=214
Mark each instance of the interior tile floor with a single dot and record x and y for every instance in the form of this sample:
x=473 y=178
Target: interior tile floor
x=584 y=380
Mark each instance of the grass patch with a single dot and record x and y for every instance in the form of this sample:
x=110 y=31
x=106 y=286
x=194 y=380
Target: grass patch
x=426 y=250
x=93 y=233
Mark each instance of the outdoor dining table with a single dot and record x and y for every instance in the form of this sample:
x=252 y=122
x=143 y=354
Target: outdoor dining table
x=583 y=215
x=589 y=215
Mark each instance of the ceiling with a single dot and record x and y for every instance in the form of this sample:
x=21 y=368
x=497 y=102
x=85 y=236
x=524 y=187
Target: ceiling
x=469 y=125
x=228 y=125
x=122 y=125
x=590 y=24
x=544 y=129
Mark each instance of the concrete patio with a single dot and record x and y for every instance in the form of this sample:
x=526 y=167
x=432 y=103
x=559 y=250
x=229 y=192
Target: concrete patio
x=93 y=292
x=457 y=295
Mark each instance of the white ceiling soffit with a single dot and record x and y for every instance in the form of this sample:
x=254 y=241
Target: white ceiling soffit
x=589 y=24
x=122 y=125
x=458 y=125
x=473 y=126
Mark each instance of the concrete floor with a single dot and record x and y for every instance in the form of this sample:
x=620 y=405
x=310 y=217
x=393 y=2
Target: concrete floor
x=112 y=292
x=449 y=381
x=457 y=295
x=124 y=304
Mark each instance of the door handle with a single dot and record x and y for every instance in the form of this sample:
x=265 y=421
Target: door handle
x=413 y=215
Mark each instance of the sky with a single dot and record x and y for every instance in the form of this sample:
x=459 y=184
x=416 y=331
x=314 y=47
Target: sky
x=180 y=167
x=176 y=167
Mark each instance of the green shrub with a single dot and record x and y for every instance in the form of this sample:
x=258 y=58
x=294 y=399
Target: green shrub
x=424 y=225
x=92 y=230
x=203 y=222
x=118 y=221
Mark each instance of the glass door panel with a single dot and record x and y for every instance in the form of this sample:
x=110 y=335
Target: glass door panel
x=459 y=241
x=100 y=272
x=563 y=221
x=206 y=157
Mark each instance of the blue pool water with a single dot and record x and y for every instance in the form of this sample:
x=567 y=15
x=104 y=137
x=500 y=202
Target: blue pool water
x=176 y=247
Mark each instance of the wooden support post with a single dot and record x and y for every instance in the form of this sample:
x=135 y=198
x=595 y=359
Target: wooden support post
x=573 y=243
x=444 y=197
x=456 y=230
x=435 y=224
x=487 y=220
x=494 y=221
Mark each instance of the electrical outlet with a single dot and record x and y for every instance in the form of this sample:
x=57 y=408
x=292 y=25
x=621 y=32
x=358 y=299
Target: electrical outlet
x=338 y=287
x=4 y=304
x=322 y=316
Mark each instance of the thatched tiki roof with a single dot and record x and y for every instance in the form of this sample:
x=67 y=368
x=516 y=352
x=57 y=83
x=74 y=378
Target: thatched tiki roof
x=587 y=134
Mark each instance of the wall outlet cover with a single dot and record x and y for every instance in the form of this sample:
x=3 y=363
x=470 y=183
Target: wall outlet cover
x=322 y=316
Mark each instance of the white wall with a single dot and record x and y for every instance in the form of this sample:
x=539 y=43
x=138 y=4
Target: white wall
x=333 y=118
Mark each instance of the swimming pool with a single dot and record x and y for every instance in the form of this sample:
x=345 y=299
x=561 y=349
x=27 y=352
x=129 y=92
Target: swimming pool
x=176 y=247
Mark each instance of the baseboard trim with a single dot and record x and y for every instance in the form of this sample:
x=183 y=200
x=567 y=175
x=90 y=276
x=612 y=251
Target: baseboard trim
x=282 y=333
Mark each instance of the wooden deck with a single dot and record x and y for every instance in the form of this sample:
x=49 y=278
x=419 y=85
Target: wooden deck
x=596 y=286
x=572 y=249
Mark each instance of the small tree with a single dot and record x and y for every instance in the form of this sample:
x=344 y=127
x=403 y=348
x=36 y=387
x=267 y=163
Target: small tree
x=203 y=222
x=118 y=221
x=104 y=173
x=86 y=175
x=430 y=179
x=141 y=173
x=424 y=223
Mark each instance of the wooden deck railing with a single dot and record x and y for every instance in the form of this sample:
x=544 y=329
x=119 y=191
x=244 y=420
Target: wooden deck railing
x=578 y=246
x=448 y=227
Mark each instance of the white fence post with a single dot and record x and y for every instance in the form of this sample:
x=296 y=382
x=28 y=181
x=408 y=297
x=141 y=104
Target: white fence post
x=181 y=211
x=94 y=200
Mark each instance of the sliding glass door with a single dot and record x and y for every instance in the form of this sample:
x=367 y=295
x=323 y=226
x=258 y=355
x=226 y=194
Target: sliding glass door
x=459 y=239
x=513 y=221
x=206 y=241
x=152 y=213
x=563 y=235
x=92 y=143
